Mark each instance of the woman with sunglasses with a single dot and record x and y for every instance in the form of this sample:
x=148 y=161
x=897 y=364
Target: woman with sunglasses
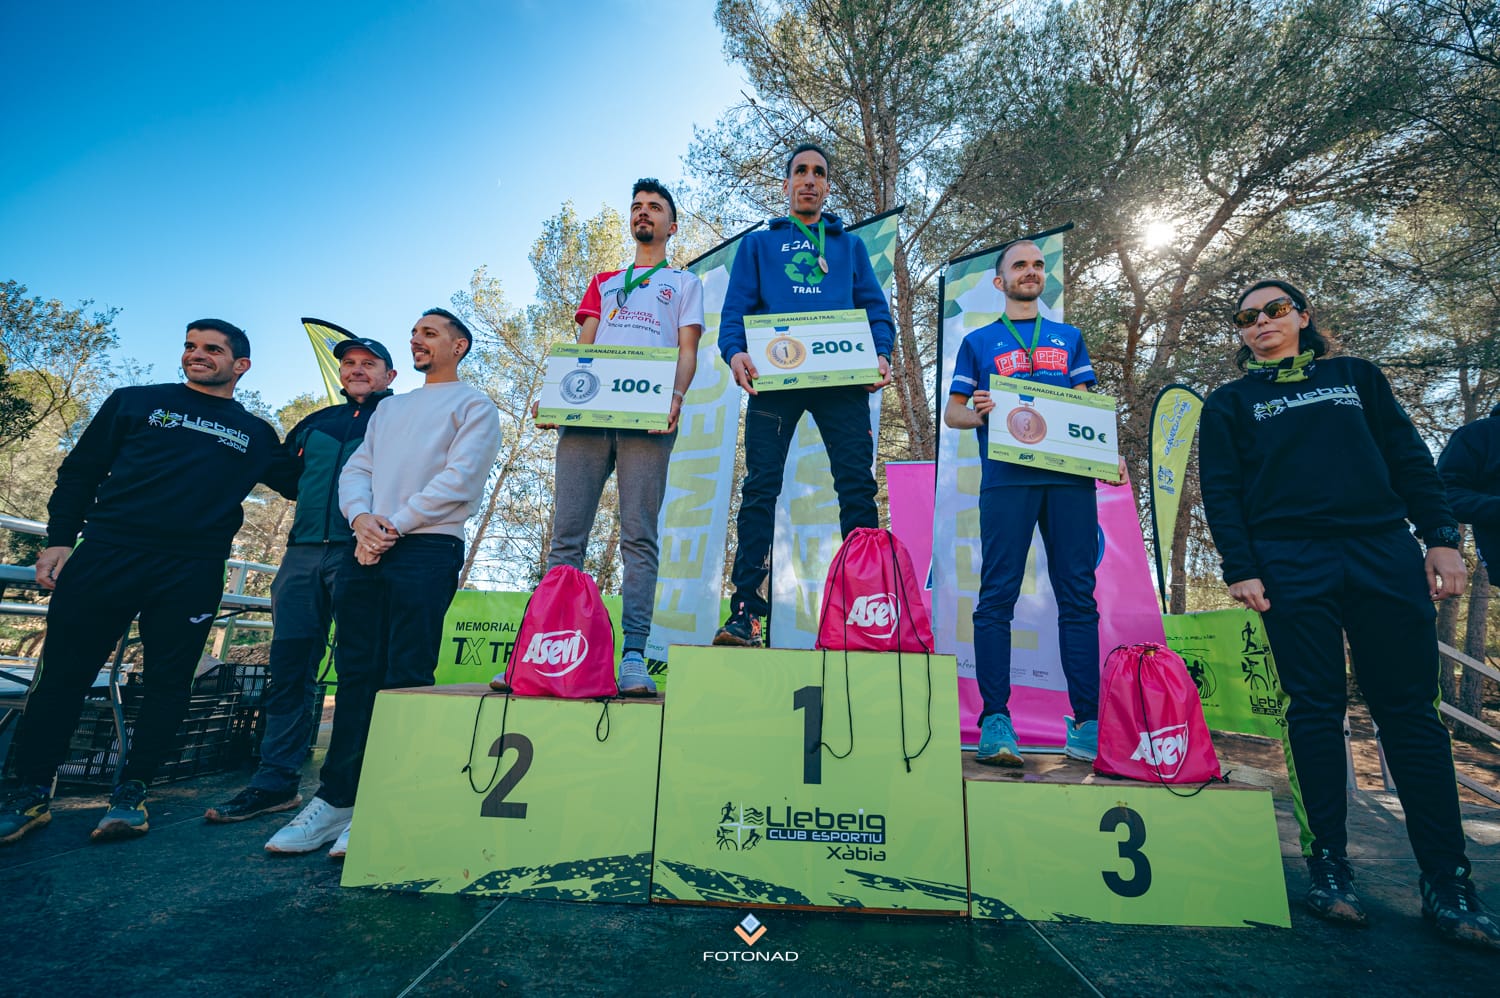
x=1311 y=471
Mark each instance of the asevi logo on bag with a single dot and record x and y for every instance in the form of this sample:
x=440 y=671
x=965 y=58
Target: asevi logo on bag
x=1165 y=748
x=875 y=613
x=552 y=648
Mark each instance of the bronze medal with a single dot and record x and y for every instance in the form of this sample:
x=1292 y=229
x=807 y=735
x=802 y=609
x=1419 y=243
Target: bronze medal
x=1026 y=425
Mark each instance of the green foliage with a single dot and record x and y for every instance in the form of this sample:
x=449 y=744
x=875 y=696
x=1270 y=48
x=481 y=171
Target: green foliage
x=56 y=358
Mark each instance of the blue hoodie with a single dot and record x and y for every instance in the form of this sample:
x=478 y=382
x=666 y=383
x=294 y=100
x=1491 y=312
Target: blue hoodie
x=776 y=271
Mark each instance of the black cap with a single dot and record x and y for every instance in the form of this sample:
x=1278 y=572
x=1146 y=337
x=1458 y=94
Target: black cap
x=374 y=346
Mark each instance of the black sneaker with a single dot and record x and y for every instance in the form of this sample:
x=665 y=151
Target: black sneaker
x=1452 y=906
x=126 y=817
x=742 y=629
x=23 y=809
x=252 y=802
x=1331 y=895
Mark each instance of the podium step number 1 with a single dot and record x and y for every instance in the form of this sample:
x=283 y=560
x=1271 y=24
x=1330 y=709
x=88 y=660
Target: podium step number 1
x=751 y=810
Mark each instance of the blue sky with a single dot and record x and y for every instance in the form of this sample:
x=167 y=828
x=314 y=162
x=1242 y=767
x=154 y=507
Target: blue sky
x=353 y=161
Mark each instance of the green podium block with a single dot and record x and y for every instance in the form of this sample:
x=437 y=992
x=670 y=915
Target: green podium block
x=752 y=811
x=567 y=815
x=1118 y=851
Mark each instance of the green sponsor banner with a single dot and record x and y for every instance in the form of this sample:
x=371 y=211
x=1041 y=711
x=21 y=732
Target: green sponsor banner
x=1046 y=426
x=1230 y=660
x=751 y=810
x=1174 y=421
x=620 y=387
x=564 y=806
x=1124 y=852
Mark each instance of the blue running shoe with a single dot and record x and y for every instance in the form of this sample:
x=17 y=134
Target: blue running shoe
x=23 y=809
x=126 y=817
x=1083 y=740
x=634 y=680
x=997 y=743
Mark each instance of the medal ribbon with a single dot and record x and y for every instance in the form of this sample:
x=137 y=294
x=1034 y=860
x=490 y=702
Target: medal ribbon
x=632 y=282
x=818 y=242
x=1036 y=337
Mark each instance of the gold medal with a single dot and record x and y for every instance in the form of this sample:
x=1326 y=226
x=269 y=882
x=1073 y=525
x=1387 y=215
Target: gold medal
x=823 y=264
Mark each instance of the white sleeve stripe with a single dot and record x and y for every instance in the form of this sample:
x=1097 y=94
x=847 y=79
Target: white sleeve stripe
x=1085 y=369
x=965 y=379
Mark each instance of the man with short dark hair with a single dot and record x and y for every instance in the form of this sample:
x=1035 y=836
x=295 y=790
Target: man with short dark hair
x=154 y=486
x=302 y=593
x=802 y=262
x=646 y=304
x=1015 y=499
x=416 y=478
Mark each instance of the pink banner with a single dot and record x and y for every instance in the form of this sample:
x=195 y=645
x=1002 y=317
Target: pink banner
x=909 y=485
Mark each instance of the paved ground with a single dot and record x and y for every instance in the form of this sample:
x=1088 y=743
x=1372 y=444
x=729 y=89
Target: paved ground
x=195 y=909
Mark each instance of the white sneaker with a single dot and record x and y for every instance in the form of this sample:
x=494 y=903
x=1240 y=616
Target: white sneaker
x=315 y=825
x=341 y=845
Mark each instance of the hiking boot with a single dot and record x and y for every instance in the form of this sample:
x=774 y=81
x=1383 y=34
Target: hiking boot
x=1452 y=906
x=126 y=817
x=634 y=680
x=23 y=809
x=340 y=847
x=1331 y=895
x=997 y=743
x=742 y=629
x=498 y=684
x=1083 y=740
x=316 y=825
x=252 y=802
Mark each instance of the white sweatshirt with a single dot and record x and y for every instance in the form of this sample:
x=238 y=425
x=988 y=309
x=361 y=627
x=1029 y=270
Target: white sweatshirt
x=424 y=460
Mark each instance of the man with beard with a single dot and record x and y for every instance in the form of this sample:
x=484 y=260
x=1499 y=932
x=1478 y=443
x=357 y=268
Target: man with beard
x=416 y=478
x=302 y=593
x=1014 y=499
x=646 y=304
x=154 y=486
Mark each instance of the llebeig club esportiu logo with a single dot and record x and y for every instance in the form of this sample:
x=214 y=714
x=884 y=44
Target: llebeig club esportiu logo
x=750 y=930
x=847 y=835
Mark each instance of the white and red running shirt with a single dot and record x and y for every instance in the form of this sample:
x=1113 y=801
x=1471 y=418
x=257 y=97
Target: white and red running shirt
x=668 y=300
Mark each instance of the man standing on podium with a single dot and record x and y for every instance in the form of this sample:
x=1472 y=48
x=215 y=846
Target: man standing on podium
x=647 y=304
x=1014 y=499
x=803 y=262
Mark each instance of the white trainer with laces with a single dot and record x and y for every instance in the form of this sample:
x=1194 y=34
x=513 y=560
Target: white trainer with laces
x=316 y=825
x=341 y=844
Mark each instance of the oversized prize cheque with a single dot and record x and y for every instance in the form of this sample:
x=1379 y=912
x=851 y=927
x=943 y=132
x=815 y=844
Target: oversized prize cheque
x=1061 y=429
x=811 y=349
x=617 y=387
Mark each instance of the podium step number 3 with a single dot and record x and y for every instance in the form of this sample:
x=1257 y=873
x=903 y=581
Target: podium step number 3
x=1124 y=852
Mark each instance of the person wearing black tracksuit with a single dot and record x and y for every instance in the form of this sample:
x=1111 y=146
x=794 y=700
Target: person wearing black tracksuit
x=154 y=485
x=1470 y=468
x=1311 y=472
x=302 y=592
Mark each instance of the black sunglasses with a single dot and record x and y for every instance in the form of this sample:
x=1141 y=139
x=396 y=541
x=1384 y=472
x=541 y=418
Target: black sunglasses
x=1274 y=309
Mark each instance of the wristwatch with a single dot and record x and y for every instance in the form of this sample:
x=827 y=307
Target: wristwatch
x=1443 y=537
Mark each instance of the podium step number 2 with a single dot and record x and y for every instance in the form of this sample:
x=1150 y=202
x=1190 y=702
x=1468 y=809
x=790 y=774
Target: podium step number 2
x=564 y=804
x=751 y=810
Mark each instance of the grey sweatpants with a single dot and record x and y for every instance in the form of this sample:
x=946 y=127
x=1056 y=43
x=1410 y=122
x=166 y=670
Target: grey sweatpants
x=585 y=457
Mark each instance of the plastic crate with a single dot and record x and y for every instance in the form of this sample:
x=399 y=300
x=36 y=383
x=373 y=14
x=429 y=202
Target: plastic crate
x=201 y=745
x=250 y=727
